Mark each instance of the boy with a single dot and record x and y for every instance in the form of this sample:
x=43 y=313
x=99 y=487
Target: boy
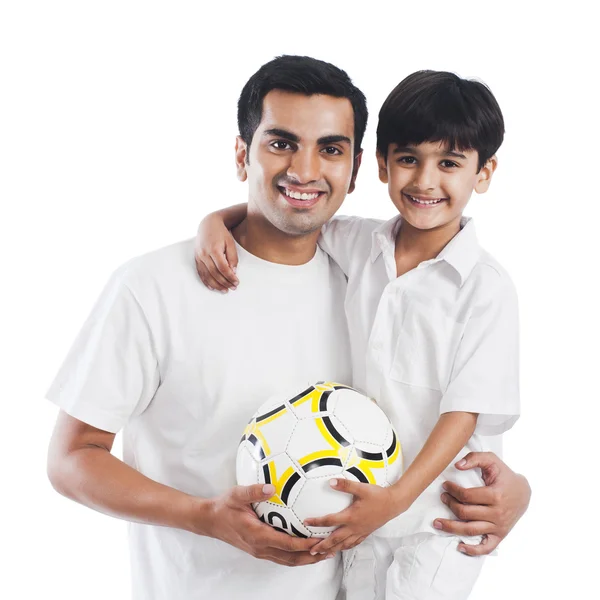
x=433 y=330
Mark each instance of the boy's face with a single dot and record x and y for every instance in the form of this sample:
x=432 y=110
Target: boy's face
x=300 y=164
x=430 y=184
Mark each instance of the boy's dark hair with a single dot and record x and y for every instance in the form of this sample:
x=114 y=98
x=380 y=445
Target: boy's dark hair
x=303 y=75
x=432 y=106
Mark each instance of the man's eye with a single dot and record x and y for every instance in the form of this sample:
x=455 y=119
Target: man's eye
x=332 y=150
x=280 y=145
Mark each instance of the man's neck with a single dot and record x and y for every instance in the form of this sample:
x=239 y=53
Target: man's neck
x=259 y=237
x=414 y=246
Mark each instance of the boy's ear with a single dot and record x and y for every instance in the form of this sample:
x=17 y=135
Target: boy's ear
x=381 y=164
x=241 y=155
x=484 y=177
x=357 y=161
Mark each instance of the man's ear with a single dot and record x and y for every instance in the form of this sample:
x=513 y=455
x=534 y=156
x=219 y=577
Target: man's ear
x=241 y=154
x=357 y=162
x=484 y=177
x=382 y=165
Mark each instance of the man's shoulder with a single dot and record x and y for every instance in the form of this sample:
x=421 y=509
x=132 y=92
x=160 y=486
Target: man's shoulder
x=158 y=268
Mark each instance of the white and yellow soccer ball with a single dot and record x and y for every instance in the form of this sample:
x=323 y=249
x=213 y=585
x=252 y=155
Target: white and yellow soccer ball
x=298 y=444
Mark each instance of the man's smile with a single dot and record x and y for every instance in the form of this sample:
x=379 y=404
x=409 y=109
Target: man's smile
x=300 y=198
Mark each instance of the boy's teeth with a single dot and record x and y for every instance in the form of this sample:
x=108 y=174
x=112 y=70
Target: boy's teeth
x=299 y=196
x=425 y=201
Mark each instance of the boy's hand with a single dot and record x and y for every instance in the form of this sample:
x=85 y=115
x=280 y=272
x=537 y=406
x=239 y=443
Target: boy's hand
x=373 y=507
x=216 y=255
x=492 y=510
x=233 y=521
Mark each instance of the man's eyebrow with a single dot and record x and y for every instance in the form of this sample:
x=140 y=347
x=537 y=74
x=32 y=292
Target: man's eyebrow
x=333 y=139
x=282 y=133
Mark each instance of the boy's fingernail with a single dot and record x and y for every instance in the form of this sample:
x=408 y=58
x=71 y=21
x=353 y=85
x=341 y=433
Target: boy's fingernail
x=268 y=489
x=313 y=553
x=333 y=482
x=462 y=462
x=437 y=524
x=234 y=269
x=234 y=288
x=331 y=555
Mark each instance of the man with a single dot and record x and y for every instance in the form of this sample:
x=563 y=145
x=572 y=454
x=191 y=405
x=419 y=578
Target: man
x=181 y=369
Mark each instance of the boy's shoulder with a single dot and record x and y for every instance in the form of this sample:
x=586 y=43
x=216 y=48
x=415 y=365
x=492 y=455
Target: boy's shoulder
x=489 y=279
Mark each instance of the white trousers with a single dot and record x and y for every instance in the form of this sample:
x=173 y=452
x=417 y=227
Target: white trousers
x=422 y=566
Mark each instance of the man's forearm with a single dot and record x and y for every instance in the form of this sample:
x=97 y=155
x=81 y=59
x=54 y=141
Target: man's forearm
x=94 y=477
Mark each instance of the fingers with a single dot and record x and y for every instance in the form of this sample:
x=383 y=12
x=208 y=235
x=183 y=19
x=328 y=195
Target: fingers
x=231 y=255
x=272 y=538
x=247 y=494
x=216 y=274
x=292 y=559
x=206 y=278
x=468 y=528
x=489 y=544
x=341 y=539
x=223 y=266
x=332 y=520
x=476 y=495
x=350 y=487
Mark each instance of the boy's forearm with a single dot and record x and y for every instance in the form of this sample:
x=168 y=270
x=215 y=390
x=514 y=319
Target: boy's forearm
x=95 y=478
x=233 y=215
x=449 y=436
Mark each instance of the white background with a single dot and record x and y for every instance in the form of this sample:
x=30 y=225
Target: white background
x=117 y=124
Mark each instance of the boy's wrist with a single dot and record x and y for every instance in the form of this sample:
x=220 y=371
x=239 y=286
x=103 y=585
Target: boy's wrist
x=401 y=498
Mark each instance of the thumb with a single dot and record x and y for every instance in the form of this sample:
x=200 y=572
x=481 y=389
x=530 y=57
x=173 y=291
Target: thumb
x=246 y=494
x=488 y=462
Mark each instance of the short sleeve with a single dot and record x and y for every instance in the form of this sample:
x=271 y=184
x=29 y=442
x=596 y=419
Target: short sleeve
x=347 y=238
x=111 y=372
x=485 y=375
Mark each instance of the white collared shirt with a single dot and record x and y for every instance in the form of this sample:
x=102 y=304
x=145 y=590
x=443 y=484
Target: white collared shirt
x=442 y=337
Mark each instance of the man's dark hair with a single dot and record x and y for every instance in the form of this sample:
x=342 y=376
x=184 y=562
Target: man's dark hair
x=302 y=75
x=437 y=106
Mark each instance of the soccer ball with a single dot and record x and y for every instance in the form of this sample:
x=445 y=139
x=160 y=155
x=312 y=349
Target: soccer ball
x=299 y=444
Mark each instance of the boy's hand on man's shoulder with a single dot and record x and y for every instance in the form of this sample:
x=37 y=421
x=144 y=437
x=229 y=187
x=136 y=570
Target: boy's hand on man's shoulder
x=492 y=510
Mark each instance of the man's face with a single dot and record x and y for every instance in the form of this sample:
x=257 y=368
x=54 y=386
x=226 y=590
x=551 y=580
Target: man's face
x=430 y=184
x=301 y=160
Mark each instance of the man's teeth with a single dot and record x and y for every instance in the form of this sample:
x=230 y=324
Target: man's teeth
x=298 y=196
x=437 y=201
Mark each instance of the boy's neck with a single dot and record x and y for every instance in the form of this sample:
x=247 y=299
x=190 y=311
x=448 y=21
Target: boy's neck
x=261 y=238
x=414 y=246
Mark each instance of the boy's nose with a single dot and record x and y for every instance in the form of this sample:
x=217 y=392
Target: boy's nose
x=304 y=167
x=425 y=178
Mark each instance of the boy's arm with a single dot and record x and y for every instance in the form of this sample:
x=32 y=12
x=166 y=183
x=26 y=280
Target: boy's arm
x=214 y=249
x=374 y=506
x=82 y=468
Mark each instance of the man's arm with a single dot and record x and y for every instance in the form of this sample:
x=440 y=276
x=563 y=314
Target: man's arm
x=82 y=468
x=492 y=510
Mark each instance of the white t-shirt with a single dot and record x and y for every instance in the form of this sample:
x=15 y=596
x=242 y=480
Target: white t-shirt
x=441 y=338
x=181 y=370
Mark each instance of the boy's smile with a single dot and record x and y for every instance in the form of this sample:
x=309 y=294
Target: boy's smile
x=430 y=184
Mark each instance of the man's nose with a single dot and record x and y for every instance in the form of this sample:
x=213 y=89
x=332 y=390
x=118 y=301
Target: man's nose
x=305 y=166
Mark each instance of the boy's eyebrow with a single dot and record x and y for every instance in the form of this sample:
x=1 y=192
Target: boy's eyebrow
x=282 y=133
x=413 y=150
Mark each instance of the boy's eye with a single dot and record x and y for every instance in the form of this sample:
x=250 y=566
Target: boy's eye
x=332 y=150
x=448 y=164
x=407 y=160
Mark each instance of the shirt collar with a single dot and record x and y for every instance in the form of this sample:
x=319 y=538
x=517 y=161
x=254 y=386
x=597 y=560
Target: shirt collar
x=461 y=252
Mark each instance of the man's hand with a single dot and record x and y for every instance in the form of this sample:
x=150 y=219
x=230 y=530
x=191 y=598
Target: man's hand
x=492 y=510
x=373 y=507
x=232 y=520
